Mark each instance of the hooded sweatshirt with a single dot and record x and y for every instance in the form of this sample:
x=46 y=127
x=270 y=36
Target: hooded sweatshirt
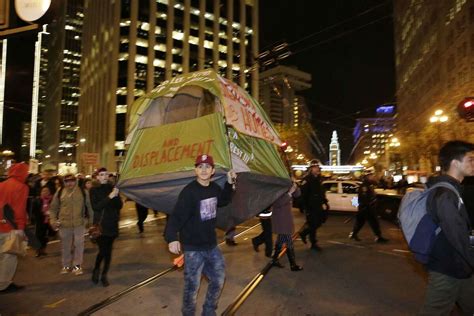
x=14 y=192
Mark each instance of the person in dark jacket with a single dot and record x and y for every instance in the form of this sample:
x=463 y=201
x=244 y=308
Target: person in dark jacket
x=194 y=220
x=106 y=203
x=142 y=213
x=451 y=260
x=313 y=197
x=265 y=237
x=282 y=224
x=468 y=196
x=41 y=215
x=367 y=208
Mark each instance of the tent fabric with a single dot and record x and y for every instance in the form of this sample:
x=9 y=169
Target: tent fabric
x=202 y=113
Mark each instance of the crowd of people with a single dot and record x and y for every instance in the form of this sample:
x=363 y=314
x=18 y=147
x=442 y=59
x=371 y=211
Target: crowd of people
x=66 y=205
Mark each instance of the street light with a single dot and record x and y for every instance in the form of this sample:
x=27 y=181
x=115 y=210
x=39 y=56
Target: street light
x=438 y=118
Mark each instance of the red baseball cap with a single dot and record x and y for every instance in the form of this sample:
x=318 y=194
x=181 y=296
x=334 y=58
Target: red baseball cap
x=204 y=159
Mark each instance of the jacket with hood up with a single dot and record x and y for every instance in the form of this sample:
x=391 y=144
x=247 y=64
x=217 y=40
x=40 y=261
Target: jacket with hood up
x=14 y=192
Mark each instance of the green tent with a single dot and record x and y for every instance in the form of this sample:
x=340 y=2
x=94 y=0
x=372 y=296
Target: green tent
x=202 y=113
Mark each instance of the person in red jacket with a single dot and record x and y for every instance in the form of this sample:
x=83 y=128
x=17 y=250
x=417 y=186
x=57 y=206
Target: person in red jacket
x=13 y=192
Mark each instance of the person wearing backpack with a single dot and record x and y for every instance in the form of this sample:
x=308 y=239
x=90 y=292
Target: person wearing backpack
x=71 y=211
x=451 y=260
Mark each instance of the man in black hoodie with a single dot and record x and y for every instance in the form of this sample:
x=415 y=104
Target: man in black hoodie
x=451 y=261
x=194 y=219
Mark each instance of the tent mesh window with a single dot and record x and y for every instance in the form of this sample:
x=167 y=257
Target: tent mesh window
x=189 y=102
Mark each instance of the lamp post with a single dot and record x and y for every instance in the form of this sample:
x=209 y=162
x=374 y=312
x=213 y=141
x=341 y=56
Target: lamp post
x=389 y=148
x=438 y=118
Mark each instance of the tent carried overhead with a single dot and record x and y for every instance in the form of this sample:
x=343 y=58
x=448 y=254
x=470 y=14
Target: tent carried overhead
x=202 y=113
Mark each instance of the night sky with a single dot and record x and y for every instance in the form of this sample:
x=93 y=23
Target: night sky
x=352 y=64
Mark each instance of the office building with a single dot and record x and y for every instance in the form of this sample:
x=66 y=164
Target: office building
x=372 y=136
x=131 y=46
x=59 y=90
x=434 y=60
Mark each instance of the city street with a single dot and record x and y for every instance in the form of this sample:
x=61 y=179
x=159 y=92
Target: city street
x=346 y=278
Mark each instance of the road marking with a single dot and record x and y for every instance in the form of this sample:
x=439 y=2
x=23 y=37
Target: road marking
x=54 y=305
x=345 y=244
x=391 y=253
x=401 y=250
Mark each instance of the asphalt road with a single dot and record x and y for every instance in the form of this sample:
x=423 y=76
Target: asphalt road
x=346 y=278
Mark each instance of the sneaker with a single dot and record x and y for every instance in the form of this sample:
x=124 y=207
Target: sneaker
x=354 y=237
x=77 y=270
x=381 y=240
x=65 y=270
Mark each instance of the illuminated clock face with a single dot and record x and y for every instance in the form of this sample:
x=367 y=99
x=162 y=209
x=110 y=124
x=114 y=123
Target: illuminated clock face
x=31 y=10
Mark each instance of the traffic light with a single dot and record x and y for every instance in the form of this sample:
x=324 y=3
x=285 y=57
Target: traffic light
x=466 y=109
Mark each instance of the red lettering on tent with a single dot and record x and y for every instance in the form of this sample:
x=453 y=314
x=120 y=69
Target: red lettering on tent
x=170 y=150
x=171 y=142
x=177 y=153
x=194 y=150
x=163 y=157
x=186 y=151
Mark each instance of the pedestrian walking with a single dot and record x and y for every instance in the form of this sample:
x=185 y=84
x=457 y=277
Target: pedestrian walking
x=451 y=262
x=106 y=204
x=14 y=193
x=313 y=198
x=71 y=211
x=265 y=237
x=282 y=224
x=367 y=210
x=191 y=227
x=142 y=213
x=41 y=215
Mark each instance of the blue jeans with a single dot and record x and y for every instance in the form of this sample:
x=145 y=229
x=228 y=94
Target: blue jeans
x=211 y=264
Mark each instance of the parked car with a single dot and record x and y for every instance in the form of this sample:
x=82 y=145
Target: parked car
x=342 y=194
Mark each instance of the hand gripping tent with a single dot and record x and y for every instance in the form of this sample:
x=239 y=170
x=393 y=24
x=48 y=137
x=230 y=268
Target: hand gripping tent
x=202 y=113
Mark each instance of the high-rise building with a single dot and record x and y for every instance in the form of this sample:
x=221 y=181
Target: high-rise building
x=131 y=46
x=372 y=135
x=280 y=97
x=434 y=60
x=279 y=88
x=334 y=151
x=59 y=90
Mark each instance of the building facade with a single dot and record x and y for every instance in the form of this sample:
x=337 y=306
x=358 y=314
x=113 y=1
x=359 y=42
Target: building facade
x=280 y=97
x=372 y=137
x=434 y=51
x=59 y=90
x=131 y=46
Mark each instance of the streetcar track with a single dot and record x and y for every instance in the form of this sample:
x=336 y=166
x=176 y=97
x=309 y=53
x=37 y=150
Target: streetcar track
x=102 y=304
